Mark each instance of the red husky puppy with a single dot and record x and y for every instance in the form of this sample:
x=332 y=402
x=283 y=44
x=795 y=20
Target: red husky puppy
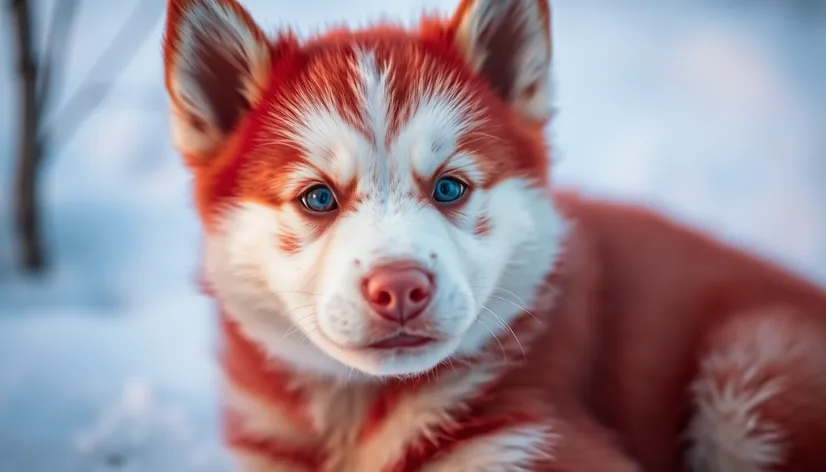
x=401 y=290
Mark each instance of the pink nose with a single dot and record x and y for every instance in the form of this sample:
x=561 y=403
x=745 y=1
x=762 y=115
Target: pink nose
x=398 y=292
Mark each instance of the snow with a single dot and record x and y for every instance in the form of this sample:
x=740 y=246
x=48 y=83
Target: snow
x=713 y=111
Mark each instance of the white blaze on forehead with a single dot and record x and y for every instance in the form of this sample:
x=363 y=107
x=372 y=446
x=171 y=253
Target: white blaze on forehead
x=439 y=111
x=374 y=95
x=325 y=138
x=442 y=115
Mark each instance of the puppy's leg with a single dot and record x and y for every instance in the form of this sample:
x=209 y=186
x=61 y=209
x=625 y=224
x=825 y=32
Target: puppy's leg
x=250 y=461
x=760 y=395
x=556 y=446
x=585 y=445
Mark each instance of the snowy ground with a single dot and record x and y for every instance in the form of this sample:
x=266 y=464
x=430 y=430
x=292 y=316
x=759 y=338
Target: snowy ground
x=714 y=111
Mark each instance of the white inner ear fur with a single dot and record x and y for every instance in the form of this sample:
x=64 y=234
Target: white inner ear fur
x=530 y=54
x=212 y=25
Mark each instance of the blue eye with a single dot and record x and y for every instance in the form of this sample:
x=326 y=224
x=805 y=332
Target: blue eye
x=319 y=199
x=448 y=190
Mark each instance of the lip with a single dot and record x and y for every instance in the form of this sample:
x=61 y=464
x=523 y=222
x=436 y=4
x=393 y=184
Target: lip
x=402 y=341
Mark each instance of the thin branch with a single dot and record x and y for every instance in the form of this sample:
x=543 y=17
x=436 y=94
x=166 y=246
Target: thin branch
x=140 y=96
x=98 y=83
x=29 y=152
x=54 y=53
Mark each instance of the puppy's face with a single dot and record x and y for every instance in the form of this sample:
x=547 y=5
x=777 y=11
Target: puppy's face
x=377 y=200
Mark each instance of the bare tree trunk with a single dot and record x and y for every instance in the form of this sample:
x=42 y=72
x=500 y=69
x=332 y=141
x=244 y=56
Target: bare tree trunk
x=37 y=83
x=30 y=150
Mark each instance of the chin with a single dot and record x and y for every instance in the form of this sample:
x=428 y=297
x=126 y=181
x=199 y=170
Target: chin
x=379 y=361
x=401 y=362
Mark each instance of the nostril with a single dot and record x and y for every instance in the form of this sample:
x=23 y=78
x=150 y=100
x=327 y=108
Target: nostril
x=383 y=298
x=418 y=294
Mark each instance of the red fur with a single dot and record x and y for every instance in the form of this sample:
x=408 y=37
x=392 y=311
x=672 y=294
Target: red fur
x=289 y=243
x=469 y=428
x=248 y=367
x=483 y=227
x=645 y=296
x=306 y=458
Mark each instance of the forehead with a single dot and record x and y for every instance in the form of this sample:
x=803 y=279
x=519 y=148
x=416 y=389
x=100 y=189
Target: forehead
x=374 y=114
x=375 y=109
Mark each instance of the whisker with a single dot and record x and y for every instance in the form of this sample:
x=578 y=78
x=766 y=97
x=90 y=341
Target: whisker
x=504 y=354
x=522 y=308
x=308 y=334
x=298 y=325
x=296 y=308
x=303 y=292
x=294 y=328
x=510 y=292
x=509 y=329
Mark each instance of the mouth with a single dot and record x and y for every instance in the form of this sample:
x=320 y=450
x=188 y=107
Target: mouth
x=402 y=341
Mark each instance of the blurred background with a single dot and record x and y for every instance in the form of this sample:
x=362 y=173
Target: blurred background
x=713 y=111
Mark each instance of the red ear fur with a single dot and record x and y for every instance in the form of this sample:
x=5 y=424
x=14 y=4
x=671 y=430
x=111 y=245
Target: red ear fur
x=508 y=42
x=217 y=65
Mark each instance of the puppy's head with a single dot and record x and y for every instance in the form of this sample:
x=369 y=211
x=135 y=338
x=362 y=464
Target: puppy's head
x=374 y=200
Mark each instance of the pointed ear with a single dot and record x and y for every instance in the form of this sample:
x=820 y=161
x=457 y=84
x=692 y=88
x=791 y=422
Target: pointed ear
x=508 y=42
x=217 y=65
